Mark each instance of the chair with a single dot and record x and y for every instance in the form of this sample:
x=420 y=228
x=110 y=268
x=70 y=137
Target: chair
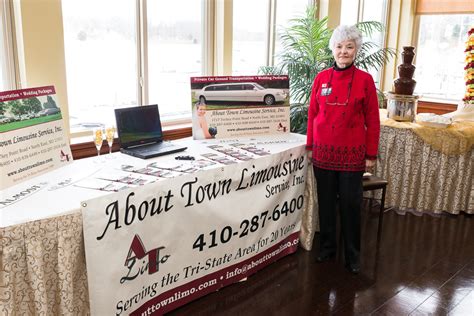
x=372 y=183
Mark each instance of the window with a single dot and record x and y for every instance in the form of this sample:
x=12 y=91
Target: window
x=109 y=67
x=250 y=30
x=145 y=51
x=362 y=10
x=375 y=10
x=441 y=58
x=174 y=54
x=101 y=62
x=353 y=12
x=285 y=11
x=256 y=42
x=349 y=12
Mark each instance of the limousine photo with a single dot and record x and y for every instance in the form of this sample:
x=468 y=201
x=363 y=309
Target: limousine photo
x=241 y=92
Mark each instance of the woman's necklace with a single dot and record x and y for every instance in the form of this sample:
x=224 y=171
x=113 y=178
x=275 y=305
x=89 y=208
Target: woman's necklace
x=348 y=90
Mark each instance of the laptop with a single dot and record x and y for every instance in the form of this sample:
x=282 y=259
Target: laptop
x=139 y=132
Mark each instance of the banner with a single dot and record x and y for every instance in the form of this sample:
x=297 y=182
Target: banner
x=154 y=248
x=32 y=136
x=224 y=107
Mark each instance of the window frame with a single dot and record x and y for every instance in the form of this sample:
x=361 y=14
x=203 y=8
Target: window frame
x=215 y=50
x=424 y=7
x=212 y=16
x=9 y=61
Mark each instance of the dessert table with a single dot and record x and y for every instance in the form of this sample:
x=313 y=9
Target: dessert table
x=42 y=254
x=429 y=170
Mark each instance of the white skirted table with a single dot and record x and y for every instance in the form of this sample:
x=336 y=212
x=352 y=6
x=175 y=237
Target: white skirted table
x=428 y=169
x=42 y=261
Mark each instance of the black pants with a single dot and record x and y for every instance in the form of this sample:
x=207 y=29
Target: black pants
x=347 y=186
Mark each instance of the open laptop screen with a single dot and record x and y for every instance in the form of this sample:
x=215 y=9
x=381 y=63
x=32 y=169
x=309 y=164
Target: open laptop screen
x=138 y=125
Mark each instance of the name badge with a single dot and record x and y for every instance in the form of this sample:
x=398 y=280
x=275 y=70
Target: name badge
x=326 y=91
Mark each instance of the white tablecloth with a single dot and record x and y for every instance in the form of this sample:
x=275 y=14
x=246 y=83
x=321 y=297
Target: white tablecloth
x=42 y=263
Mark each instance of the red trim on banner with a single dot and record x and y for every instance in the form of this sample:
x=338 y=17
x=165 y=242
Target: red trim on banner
x=26 y=93
x=188 y=292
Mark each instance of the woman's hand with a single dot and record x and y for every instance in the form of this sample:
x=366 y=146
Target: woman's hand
x=369 y=164
x=309 y=154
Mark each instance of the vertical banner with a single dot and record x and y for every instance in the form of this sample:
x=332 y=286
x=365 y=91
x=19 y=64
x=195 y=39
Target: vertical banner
x=32 y=136
x=224 y=107
x=154 y=248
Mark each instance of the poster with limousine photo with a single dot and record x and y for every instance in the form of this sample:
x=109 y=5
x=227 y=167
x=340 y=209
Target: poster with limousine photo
x=233 y=106
x=32 y=135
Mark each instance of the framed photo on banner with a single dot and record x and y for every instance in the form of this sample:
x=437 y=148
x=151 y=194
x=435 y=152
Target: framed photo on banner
x=224 y=107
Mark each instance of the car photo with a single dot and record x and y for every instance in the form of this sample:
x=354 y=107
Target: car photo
x=5 y=119
x=241 y=92
x=49 y=111
x=26 y=117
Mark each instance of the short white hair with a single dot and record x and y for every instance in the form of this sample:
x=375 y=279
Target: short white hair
x=345 y=33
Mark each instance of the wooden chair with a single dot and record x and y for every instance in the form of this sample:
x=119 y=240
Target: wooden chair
x=372 y=183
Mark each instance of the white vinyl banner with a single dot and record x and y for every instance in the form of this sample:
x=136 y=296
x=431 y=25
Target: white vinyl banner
x=153 y=248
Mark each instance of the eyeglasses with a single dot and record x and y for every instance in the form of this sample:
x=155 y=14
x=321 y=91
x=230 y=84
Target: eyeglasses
x=348 y=91
x=337 y=103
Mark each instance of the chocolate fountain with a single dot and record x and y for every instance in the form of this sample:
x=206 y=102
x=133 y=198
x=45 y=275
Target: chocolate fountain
x=402 y=104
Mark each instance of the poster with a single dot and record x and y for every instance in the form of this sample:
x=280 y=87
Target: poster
x=224 y=107
x=154 y=248
x=32 y=136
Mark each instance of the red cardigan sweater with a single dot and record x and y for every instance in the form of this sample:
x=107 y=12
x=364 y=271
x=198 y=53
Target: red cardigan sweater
x=343 y=119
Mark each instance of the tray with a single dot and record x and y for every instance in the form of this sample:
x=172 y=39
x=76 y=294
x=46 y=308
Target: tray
x=434 y=124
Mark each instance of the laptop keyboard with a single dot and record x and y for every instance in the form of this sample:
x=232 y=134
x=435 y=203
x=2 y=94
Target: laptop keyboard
x=151 y=148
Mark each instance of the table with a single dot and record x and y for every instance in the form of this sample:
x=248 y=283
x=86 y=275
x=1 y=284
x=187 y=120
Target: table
x=429 y=170
x=42 y=263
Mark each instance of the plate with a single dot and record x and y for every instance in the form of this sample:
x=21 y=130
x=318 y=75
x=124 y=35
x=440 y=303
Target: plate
x=433 y=120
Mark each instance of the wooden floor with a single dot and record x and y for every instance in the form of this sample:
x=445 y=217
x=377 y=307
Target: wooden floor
x=424 y=266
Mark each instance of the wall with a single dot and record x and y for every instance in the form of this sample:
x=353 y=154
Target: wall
x=41 y=61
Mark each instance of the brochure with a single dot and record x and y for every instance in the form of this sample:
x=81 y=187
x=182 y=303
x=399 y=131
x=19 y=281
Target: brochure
x=32 y=135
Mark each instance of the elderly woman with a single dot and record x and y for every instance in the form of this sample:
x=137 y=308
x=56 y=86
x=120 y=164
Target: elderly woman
x=342 y=139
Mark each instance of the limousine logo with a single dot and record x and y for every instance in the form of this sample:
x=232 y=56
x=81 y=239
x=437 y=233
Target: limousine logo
x=139 y=261
x=241 y=92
